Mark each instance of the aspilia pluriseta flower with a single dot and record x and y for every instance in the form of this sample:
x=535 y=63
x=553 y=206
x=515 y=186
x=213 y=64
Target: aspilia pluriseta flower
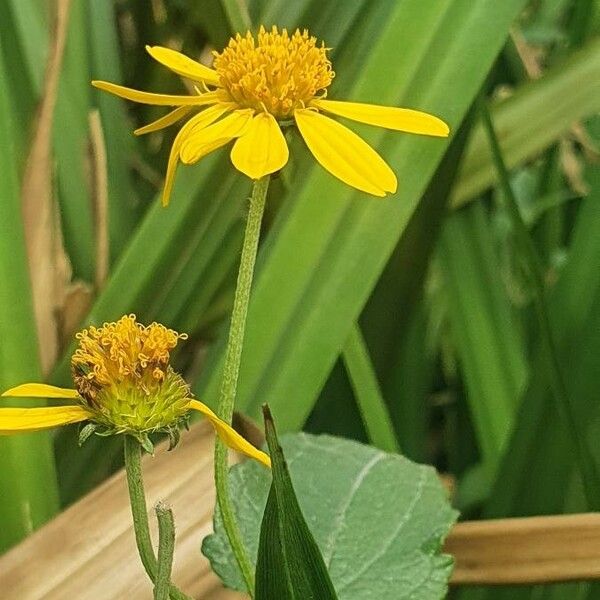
x=124 y=384
x=256 y=87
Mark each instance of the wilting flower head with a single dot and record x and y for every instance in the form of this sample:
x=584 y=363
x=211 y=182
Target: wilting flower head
x=256 y=87
x=123 y=384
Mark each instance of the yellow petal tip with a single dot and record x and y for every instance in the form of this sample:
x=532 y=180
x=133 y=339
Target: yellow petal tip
x=444 y=129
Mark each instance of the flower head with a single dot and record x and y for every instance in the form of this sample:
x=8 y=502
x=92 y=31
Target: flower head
x=277 y=73
x=124 y=383
x=260 y=85
x=122 y=374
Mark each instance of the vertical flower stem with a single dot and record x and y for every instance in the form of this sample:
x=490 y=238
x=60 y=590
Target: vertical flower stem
x=534 y=270
x=233 y=356
x=139 y=512
x=166 y=548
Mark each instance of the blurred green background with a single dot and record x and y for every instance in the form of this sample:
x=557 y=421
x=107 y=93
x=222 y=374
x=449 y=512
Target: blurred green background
x=420 y=300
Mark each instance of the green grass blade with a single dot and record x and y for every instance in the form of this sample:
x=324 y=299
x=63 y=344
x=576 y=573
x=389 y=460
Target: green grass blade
x=538 y=441
x=70 y=147
x=237 y=15
x=104 y=63
x=533 y=118
x=368 y=395
x=395 y=319
x=31 y=19
x=535 y=272
x=24 y=46
x=156 y=246
x=483 y=327
x=28 y=480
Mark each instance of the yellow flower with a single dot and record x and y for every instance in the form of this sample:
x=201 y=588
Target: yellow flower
x=123 y=384
x=258 y=86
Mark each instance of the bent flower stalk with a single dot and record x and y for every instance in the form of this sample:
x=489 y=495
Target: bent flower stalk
x=259 y=85
x=124 y=384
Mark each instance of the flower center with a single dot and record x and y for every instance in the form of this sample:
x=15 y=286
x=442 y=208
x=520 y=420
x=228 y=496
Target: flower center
x=122 y=373
x=277 y=72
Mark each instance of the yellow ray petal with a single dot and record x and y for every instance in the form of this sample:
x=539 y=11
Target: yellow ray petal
x=165 y=121
x=199 y=121
x=230 y=436
x=391 y=117
x=262 y=149
x=183 y=65
x=40 y=390
x=202 y=141
x=344 y=154
x=14 y=420
x=156 y=99
x=208 y=116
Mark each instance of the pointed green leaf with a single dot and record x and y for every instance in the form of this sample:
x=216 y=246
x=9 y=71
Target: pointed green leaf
x=289 y=564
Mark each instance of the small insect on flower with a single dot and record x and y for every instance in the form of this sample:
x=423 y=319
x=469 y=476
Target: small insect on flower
x=124 y=383
x=259 y=85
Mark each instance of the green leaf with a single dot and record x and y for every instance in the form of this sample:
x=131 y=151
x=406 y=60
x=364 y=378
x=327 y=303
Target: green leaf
x=29 y=490
x=289 y=564
x=395 y=317
x=369 y=398
x=124 y=206
x=484 y=328
x=70 y=144
x=237 y=15
x=538 y=441
x=379 y=519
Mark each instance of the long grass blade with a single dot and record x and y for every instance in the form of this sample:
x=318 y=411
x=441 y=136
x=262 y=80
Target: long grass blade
x=532 y=265
x=371 y=403
x=28 y=480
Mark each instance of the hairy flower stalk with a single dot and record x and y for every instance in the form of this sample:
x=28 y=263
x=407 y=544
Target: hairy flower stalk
x=231 y=369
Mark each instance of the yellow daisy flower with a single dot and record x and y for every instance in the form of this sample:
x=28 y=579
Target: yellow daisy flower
x=123 y=384
x=259 y=85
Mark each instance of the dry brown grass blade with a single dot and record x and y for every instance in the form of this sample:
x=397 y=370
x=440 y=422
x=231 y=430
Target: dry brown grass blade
x=530 y=56
x=50 y=270
x=526 y=550
x=89 y=551
x=100 y=196
x=571 y=164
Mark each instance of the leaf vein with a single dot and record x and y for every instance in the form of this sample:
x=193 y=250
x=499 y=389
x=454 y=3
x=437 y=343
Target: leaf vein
x=386 y=546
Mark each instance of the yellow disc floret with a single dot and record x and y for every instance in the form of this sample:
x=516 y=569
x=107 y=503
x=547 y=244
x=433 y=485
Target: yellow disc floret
x=122 y=373
x=276 y=72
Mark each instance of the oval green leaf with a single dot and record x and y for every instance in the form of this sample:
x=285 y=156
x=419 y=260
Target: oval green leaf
x=378 y=519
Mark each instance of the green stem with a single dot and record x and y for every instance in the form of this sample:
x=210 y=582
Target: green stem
x=139 y=512
x=166 y=549
x=231 y=371
x=535 y=271
x=369 y=398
